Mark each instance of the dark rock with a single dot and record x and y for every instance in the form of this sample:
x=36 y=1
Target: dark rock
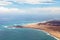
x=51 y=23
x=54 y=22
x=18 y=26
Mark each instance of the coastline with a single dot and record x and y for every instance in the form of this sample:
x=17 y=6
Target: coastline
x=34 y=26
x=31 y=25
x=48 y=34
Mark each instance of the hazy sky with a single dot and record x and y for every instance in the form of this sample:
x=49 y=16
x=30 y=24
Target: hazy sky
x=16 y=7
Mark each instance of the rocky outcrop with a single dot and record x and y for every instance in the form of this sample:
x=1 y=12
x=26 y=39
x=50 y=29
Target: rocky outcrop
x=18 y=26
x=51 y=23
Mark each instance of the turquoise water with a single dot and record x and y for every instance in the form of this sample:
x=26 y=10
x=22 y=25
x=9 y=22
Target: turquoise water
x=23 y=34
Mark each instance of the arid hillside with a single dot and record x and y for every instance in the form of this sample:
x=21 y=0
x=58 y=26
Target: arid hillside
x=52 y=27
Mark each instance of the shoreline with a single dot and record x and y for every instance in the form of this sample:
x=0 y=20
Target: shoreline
x=48 y=33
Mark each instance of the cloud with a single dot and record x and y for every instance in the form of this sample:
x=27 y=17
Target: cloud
x=38 y=1
x=44 y=10
x=33 y=1
x=4 y=3
x=48 y=10
x=11 y=10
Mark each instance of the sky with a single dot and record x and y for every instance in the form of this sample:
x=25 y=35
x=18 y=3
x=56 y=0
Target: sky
x=26 y=6
x=16 y=7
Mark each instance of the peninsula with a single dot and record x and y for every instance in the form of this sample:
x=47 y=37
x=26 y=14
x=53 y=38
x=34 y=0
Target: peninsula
x=52 y=27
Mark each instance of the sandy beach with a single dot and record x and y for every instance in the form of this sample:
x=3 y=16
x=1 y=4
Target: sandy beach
x=52 y=32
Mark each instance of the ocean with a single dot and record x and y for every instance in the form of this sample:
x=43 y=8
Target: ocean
x=22 y=33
